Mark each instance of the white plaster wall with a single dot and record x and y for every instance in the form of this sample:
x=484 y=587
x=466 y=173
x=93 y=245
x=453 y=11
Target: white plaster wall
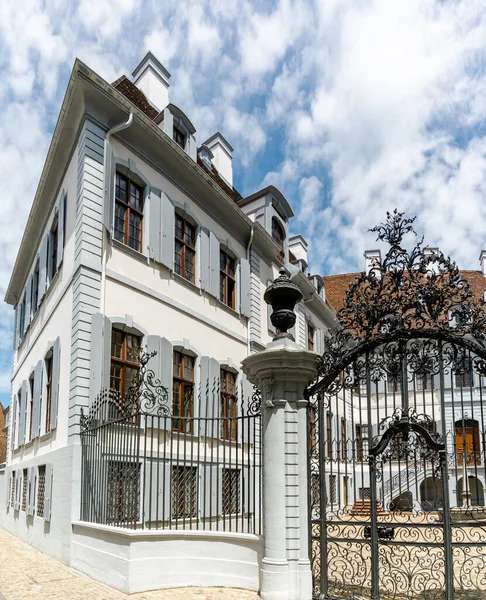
x=52 y=537
x=144 y=560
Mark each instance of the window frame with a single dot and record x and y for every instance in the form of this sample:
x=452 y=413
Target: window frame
x=279 y=239
x=181 y=422
x=311 y=332
x=228 y=406
x=180 y=134
x=129 y=209
x=227 y=282
x=122 y=361
x=185 y=247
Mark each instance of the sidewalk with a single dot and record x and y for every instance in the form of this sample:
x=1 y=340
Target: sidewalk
x=27 y=574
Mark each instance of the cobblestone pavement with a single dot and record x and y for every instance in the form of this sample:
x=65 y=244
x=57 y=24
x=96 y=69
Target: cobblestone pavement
x=27 y=574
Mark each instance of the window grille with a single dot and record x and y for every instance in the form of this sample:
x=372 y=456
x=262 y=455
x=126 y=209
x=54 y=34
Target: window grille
x=231 y=491
x=24 y=490
x=183 y=492
x=12 y=491
x=41 y=490
x=332 y=489
x=364 y=493
x=123 y=492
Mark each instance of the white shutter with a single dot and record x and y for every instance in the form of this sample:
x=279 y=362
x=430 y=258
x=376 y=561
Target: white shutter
x=37 y=397
x=157 y=492
x=100 y=354
x=109 y=174
x=56 y=357
x=214 y=265
x=42 y=270
x=168 y=232
x=8 y=490
x=48 y=494
x=155 y=224
x=210 y=502
x=60 y=229
x=23 y=413
x=210 y=393
x=204 y=259
x=161 y=365
x=30 y=491
x=28 y=297
x=18 y=479
x=245 y=304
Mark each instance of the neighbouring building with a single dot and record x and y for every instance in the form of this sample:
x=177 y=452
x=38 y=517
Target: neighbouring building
x=138 y=247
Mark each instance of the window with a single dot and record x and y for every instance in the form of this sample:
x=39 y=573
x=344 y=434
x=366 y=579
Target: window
x=31 y=406
x=53 y=251
x=128 y=212
x=12 y=491
x=329 y=435
x=183 y=492
x=278 y=233
x=179 y=137
x=48 y=362
x=34 y=290
x=24 y=490
x=229 y=406
x=183 y=392
x=361 y=442
x=463 y=372
x=468 y=441
x=227 y=279
x=343 y=438
x=41 y=490
x=123 y=502
x=185 y=248
x=394 y=383
x=310 y=337
x=231 y=491
x=125 y=360
x=423 y=381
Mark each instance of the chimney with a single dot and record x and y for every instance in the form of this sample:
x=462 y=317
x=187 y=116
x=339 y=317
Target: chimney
x=373 y=262
x=433 y=267
x=482 y=262
x=222 y=156
x=298 y=247
x=152 y=78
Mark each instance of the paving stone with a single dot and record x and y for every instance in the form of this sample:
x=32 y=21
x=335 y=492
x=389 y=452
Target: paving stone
x=28 y=574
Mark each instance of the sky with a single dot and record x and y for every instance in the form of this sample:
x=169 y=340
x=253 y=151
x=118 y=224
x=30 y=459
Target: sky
x=351 y=108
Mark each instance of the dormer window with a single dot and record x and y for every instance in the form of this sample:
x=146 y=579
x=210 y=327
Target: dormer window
x=278 y=233
x=179 y=137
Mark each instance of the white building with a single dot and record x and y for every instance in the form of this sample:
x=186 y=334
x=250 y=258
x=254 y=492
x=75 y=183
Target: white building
x=138 y=239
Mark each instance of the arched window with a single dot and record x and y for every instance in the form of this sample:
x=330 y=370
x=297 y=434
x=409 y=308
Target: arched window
x=278 y=233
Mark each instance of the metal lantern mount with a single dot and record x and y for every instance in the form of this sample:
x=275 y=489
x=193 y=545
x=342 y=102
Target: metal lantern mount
x=283 y=295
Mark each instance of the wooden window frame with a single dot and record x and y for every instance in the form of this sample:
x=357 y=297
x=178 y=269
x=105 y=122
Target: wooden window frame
x=423 y=382
x=464 y=378
x=229 y=406
x=181 y=421
x=310 y=337
x=227 y=291
x=52 y=249
x=278 y=233
x=186 y=248
x=361 y=441
x=394 y=383
x=123 y=361
x=129 y=210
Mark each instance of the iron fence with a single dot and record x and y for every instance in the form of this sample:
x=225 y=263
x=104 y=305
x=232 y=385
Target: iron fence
x=144 y=468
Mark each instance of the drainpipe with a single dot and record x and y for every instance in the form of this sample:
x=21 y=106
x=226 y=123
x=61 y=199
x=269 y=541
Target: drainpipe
x=248 y=248
x=109 y=133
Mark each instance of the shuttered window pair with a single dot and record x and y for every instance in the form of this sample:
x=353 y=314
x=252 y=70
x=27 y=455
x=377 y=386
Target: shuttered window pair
x=35 y=404
x=46 y=266
x=31 y=491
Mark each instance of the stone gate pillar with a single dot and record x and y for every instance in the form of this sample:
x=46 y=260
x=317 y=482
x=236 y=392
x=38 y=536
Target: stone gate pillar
x=282 y=372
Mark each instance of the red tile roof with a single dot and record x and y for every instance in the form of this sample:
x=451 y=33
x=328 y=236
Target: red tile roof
x=336 y=286
x=213 y=173
x=136 y=96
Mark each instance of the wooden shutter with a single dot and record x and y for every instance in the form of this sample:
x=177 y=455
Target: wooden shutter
x=28 y=295
x=214 y=263
x=155 y=224
x=23 y=413
x=48 y=494
x=109 y=173
x=161 y=365
x=56 y=357
x=60 y=229
x=168 y=232
x=210 y=397
x=100 y=354
x=245 y=303
x=204 y=259
x=42 y=270
x=37 y=398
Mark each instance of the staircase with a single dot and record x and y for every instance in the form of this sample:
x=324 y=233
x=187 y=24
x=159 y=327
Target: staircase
x=362 y=508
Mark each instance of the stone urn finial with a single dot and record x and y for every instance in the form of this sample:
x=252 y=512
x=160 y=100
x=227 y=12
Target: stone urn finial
x=283 y=295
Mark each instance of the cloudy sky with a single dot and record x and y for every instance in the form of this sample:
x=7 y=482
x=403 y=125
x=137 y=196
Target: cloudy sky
x=349 y=107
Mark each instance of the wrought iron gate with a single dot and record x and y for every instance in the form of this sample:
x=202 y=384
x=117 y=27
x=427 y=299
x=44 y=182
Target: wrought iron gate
x=397 y=434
